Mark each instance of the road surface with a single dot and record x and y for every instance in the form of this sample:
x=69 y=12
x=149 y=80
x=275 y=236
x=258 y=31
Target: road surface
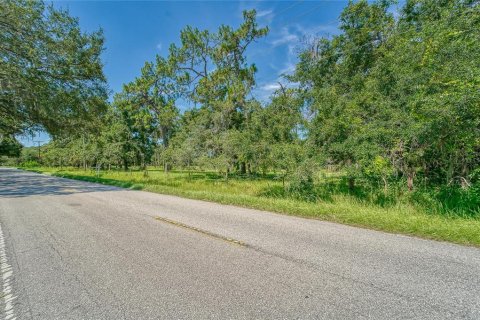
x=76 y=250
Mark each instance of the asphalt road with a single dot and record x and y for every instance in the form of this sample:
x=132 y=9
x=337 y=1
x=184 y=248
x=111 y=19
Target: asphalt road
x=75 y=250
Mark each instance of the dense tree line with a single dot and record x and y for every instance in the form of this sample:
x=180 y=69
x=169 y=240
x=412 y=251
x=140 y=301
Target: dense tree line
x=391 y=98
x=398 y=97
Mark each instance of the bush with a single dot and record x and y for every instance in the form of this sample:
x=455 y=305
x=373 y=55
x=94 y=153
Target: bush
x=29 y=164
x=301 y=184
x=8 y=161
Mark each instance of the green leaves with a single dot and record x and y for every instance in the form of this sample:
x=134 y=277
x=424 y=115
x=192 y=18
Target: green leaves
x=9 y=146
x=397 y=90
x=214 y=72
x=51 y=74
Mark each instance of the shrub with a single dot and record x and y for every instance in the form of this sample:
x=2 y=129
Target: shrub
x=29 y=164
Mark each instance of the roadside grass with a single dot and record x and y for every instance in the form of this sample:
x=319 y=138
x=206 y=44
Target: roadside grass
x=265 y=193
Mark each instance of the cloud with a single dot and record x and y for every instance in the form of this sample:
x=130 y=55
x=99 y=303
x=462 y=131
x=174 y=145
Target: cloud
x=159 y=46
x=264 y=13
x=264 y=93
x=285 y=37
x=281 y=51
x=290 y=40
x=265 y=16
x=288 y=68
x=293 y=37
x=272 y=86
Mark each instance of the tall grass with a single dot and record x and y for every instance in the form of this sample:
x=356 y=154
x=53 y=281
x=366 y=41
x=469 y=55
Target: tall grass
x=422 y=213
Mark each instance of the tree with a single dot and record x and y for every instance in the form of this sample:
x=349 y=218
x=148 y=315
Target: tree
x=332 y=74
x=50 y=71
x=147 y=106
x=428 y=79
x=136 y=122
x=214 y=71
x=9 y=146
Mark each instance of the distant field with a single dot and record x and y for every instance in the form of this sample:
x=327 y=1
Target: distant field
x=331 y=202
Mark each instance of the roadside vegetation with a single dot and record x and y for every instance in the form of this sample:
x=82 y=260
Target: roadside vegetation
x=377 y=126
x=430 y=214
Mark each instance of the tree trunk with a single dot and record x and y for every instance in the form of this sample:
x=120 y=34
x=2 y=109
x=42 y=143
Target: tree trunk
x=84 y=158
x=125 y=164
x=243 y=167
x=351 y=180
x=425 y=175
x=351 y=183
x=410 y=178
x=464 y=178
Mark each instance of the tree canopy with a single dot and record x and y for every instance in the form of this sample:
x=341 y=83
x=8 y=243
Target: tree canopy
x=51 y=74
x=404 y=92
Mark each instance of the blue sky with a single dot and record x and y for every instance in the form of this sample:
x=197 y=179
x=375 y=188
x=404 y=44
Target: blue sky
x=136 y=31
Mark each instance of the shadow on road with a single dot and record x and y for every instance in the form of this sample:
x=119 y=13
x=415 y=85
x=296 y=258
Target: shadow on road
x=17 y=183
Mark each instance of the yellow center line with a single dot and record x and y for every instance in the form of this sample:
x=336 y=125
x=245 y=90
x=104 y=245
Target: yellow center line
x=205 y=232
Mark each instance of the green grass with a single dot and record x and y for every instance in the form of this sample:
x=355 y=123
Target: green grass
x=267 y=194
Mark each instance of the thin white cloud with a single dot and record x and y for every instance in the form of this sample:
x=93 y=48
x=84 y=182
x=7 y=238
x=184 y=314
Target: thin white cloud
x=159 y=46
x=287 y=42
x=285 y=37
x=294 y=37
x=288 y=68
x=264 y=93
x=270 y=86
x=264 y=13
x=266 y=16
